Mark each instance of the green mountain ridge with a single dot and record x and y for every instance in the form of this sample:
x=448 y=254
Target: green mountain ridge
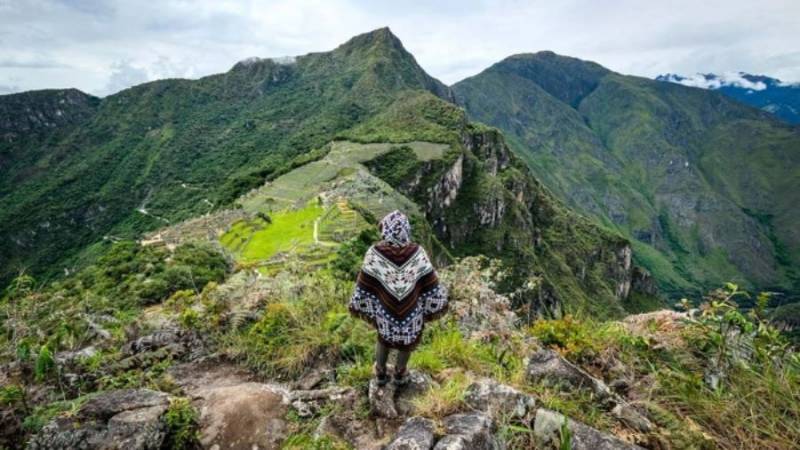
x=702 y=184
x=163 y=153
x=213 y=229
x=168 y=148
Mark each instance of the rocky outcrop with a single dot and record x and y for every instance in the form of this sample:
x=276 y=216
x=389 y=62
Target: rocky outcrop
x=241 y=416
x=128 y=419
x=548 y=367
x=473 y=431
x=498 y=400
x=445 y=191
x=548 y=427
x=235 y=412
x=415 y=434
x=390 y=401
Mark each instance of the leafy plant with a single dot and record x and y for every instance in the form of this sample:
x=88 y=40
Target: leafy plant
x=181 y=421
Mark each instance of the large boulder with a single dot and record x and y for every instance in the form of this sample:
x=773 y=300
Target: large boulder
x=548 y=427
x=241 y=416
x=548 y=367
x=499 y=400
x=236 y=412
x=472 y=431
x=127 y=419
x=415 y=434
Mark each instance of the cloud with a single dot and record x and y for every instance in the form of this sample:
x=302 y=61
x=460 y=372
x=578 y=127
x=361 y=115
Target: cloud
x=33 y=63
x=9 y=89
x=124 y=75
x=713 y=81
x=450 y=39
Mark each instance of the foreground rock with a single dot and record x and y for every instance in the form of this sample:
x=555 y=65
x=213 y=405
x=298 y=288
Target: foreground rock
x=235 y=412
x=548 y=425
x=127 y=419
x=498 y=400
x=548 y=367
x=473 y=431
x=415 y=434
x=390 y=401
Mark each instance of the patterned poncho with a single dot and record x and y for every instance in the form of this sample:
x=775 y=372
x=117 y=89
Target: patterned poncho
x=397 y=290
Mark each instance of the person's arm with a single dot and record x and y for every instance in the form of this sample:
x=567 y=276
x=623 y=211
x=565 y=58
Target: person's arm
x=361 y=304
x=434 y=298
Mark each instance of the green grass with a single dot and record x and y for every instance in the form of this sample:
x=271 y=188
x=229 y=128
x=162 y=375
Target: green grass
x=288 y=230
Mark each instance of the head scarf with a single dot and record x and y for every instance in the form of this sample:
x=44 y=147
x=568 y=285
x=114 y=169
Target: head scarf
x=395 y=228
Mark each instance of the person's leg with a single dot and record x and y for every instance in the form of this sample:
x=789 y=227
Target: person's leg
x=381 y=356
x=402 y=360
x=401 y=367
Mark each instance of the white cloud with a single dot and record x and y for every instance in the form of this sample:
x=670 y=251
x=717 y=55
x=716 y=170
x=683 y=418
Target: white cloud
x=716 y=81
x=80 y=40
x=124 y=75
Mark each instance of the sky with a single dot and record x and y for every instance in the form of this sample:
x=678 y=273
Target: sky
x=102 y=47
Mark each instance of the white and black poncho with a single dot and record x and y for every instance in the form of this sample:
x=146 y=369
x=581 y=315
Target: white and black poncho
x=397 y=289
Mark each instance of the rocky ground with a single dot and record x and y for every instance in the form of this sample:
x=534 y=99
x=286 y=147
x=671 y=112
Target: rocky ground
x=482 y=379
x=239 y=410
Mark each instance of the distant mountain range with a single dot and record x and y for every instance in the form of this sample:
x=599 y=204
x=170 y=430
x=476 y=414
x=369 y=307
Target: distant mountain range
x=78 y=172
x=763 y=92
x=705 y=186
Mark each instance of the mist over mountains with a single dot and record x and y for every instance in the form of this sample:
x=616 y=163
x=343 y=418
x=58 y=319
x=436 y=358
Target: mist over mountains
x=763 y=92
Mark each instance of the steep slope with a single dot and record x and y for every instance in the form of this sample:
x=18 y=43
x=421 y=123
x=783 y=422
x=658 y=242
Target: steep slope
x=170 y=149
x=467 y=195
x=29 y=119
x=704 y=184
x=763 y=92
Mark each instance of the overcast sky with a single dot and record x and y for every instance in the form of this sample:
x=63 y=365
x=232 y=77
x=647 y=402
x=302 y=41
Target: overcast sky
x=104 y=46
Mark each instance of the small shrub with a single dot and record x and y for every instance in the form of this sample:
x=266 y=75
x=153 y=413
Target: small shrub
x=45 y=364
x=569 y=335
x=181 y=421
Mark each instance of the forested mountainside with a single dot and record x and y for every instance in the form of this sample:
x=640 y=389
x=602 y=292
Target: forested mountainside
x=162 y=152
x=170 y=149
x=703 y=185
x=212 y=230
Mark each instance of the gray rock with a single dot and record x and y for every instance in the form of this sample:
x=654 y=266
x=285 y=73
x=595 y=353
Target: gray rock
x=152 y=341
x=498 y=400
x=627 y=414
x=127 y=419
x=549 y=367
x=548 y=424
x=110 y=403
x=241 y=416
x=381 y=400
x=472 y=431
x=390 y=401
x=418 y=384
x=415 y=434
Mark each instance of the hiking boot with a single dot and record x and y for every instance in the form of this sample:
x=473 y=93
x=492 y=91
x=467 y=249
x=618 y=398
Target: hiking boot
x=400 y=377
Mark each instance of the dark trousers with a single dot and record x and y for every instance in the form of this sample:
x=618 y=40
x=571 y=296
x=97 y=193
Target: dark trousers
x=382 y=355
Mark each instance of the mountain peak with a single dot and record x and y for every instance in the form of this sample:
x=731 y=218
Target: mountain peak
x=566 y=78
x=378 y=38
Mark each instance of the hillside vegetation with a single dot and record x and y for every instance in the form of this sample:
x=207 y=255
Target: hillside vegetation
x=180 y=258
x=702 y=183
